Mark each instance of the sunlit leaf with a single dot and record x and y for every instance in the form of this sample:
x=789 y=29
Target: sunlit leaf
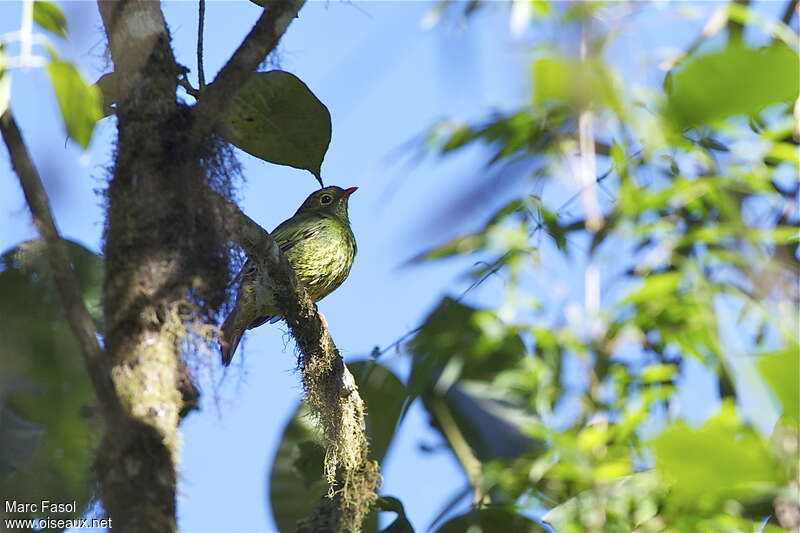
x=734 y=81
x=781 y=370
x=80 y=103
x=722 y=459
x=579 y=83
x=276 y=117
x=50 y=17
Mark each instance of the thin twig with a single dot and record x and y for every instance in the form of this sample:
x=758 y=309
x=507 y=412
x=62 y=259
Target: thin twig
x=201 y=16
x=261 y=40
x=77 y=315
x=791 y=9
x=462 y=449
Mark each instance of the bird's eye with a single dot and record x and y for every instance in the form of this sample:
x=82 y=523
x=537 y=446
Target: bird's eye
x=326 y=199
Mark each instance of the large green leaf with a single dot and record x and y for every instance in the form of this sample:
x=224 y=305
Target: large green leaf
x=47 y=398
x=721 y=460
x=493 y=425
x=81 y=104
x=781 y=370
x=473 y=342
x=294 y=491
x=491 y=520
x=296 y=482
x=384 y=395
x=50 y=17
x=108 y=85
x=734 y=81
x=276 y=117
x=19 y=439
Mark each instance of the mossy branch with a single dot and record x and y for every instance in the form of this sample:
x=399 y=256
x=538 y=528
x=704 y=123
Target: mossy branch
x=330 y=389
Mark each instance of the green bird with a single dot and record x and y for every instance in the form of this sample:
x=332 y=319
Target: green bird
x=320 y=246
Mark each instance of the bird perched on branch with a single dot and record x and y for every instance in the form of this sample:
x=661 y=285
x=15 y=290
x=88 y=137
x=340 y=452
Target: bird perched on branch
x=320 y=246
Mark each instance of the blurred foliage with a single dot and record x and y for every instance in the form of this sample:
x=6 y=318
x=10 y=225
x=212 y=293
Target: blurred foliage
x=563 y=414
x=568 y=414
x=46 y=398
x=50 y=17
x=80 y=103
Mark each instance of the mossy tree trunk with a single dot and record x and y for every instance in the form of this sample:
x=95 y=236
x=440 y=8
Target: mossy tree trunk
x=144 y=286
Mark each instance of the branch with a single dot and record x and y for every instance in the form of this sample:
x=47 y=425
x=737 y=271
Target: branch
x=78 y=317
x=139 y=41
x=201 y=19
x=788 y=13
x=261 y=40
x=330 y=389
x=462 y=450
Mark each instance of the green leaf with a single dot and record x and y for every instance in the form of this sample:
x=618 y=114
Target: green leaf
x=657 y=373
x=276 y=117
x=80 y=103
x=44 y=381
x=50 y=17
x=384 y=395
x=734 y=81
x=462 y=244
x=655 y=286
x=108 y=85
x=579 y=83
x=296 y=476
x=458 y=333
x=19 y=439
x=781 y=370
x=292 y=493
x=490 y=520
x=722 y=460
x=494 y=424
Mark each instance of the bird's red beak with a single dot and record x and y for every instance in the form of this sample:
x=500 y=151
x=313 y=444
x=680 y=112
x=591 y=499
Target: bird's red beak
x=348 y=192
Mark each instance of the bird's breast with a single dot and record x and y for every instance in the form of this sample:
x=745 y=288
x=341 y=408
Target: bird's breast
x=323 y=262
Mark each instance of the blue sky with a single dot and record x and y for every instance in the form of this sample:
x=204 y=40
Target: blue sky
x=385 y=80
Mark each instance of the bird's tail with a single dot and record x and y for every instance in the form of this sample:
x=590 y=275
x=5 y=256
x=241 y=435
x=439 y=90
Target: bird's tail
x=229 y=340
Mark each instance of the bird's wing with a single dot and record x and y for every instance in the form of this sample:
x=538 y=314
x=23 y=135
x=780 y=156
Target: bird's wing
x=297 y=229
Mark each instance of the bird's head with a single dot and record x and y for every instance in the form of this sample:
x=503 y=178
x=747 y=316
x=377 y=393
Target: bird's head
x=328 y=200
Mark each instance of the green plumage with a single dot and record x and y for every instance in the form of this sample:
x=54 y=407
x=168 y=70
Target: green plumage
x=320 y=246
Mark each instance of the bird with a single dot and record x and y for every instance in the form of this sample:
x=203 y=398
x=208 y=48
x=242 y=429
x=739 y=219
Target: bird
x=320 y=246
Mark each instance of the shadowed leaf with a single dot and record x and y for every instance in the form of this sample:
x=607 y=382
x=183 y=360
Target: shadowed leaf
x=48 y=400
x=275 y=117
